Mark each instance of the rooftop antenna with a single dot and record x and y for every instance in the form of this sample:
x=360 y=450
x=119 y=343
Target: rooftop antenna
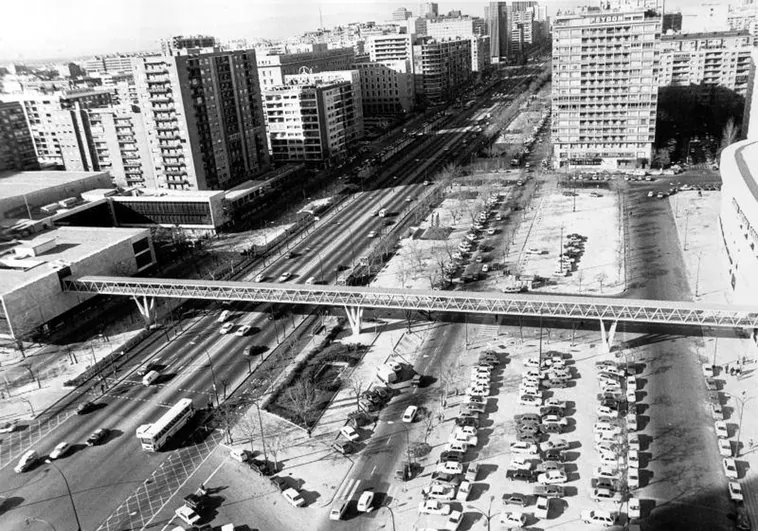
x=320 y=18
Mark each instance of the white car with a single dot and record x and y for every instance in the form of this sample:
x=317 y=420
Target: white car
x=708 y=371
x=552 y=477
x=228 y=327
x=722 y=432
x=530 y=400
x=524 y=448
x=631 y=396
x=605 y=427
x=260 y=278
x=633 y=478
x=243 y=330
x=372 y=234
x=607 y=472
x=554 y=402
x=725 y=447
x=528 y=388
x=633 y=440
x=60 y=450
x=513 y=519
x=480 y=378
x=634 y=458
x=730 y=468
x=631 y=382
x=555 y=419
x=224 y=316
x=735 y=492
x=434 y=507
x=597 y=517
x=366 y=501
x=450 y=467
x=478 y=390
x=634 y=508
x=293 y=497
x=631 y=422
x=610 y=459
x=349 y=433
x=285 y=276
x=555 y=444
x=338 y=509
x=532 y=362
x=410 y=413
x=311 y=280
x=605 y=411
x=520 y=462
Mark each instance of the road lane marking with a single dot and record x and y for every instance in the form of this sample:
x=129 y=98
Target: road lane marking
x=373 y=470
x=389 y=439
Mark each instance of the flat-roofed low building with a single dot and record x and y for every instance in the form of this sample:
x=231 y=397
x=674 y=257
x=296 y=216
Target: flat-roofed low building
x=198 y=211
x=31 y=290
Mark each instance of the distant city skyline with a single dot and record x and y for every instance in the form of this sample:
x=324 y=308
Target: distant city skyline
x=50 y=29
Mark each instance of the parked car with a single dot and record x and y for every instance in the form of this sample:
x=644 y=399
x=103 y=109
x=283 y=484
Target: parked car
x=730 y=468
x=524 y=448
x=293 y=497
x=735 y=492
x=597 y=517
x=552 y=477
x=434 y=507
x=350 y=433
x=410 y=413
x=520 y=500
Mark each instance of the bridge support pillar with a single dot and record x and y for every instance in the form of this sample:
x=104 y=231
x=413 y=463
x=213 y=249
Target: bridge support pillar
x=607 y=338
x=146 y=308
x=354 y=317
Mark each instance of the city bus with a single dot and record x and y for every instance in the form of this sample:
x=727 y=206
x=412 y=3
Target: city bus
x=154 y=436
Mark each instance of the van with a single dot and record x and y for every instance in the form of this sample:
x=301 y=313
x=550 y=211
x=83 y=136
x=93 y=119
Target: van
x=338 y=510
x=238 y=454
x=150 y=377
x=382 y=213
x=26 y=462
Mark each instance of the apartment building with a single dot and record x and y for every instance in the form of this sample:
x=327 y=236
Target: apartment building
x=203 y=117
x=272 y=68
x=604 y=97
x=472 y=28
x=441 y=68
x=59 y=125
x=108 y=63
x=16 y=144
x=387 y=88
x=401 y=14
x=314 y=117
x=428 y=9
x=707 y=59
x=497 y=16
x=744 y=16
x=394 y=47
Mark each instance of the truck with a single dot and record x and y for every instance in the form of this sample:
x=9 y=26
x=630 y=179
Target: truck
x=386 y=374
x=472 y=272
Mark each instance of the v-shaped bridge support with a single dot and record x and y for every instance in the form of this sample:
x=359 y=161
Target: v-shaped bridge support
x=354 y=317
x=146 y=308
x=607 y=339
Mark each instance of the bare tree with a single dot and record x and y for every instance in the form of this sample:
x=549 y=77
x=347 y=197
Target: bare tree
x=431 y=420
x=275 y=444
x=447 y=378
x=580 y=277
x=729 y=134
x=357 y=386
x=403 y=271
x=456 y=211
x=600 y=277
x=249 y=428
x=301 y=397
x=416 y=254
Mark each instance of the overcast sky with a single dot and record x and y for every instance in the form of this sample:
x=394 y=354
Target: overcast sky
x=35 y=29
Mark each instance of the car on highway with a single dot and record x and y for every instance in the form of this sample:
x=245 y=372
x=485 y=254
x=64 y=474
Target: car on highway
x=552 y=477
x=409 y=415
x=284 y=277
x=434 y=507
x=84 y=408
x=512 y=519
x=524 y=448
x=97 y=436
x=597 y=517
x=28 y=460
x=60 y=450
x=735 y=492
x=8 y=427
x=372 y=234
x=293 y=497
x=730 y=468
x=349 y=433
x=260 y=278
x=226 y=328
x=243 y=330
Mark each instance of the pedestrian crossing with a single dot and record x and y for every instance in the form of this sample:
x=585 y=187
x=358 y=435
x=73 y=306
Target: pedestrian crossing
x=351 y=486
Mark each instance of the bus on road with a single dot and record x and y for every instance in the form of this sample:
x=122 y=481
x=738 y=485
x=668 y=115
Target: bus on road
x=154 y=436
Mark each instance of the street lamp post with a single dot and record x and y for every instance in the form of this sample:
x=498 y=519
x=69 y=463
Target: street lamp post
x=407 y=441
x=70 y=496
x=213 y=373
x=742 y=400
x=488 y=515
x=392 y=514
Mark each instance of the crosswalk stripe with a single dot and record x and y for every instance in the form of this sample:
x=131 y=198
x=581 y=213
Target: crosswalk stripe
x=354 y=488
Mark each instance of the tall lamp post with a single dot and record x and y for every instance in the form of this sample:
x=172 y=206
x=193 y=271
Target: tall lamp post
x=213 y=373
x=392 y=514
x=407 y=440
x=742 y=399
x=488 y=515
x=70 y=496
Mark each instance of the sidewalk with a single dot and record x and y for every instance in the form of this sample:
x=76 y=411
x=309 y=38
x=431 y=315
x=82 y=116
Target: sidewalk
x=707 y=271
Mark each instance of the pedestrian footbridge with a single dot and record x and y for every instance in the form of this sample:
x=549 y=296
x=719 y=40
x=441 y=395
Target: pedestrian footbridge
x=355 y=299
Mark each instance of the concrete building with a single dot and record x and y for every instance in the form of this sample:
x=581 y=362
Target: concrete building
x=497 y=16
x=744 y=17
x=739 y=217
x=480 y=53
x=30 y=287
x=273 y=68
x=401 y=14
x=604 y=91
x=314 y=117
x=428 y=10
x=59 y=126
x=441 y=68
x=387 y=88
x=451 y=28
x=192 y=44
x=706 y=16
x=707 y=60
x=203 y=117
x=16 y=144
x=396 y=47
x=109 y=63
x=750 y=116
x=672 y=22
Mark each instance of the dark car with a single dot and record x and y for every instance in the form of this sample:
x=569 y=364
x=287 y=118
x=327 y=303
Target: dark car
x=446 y=479
x=528 y=429
x=97 y=436
x=528 y=438
x=451 y=455
x=467 y=421
x=551 y=410
x=344 y=447
x=554 y=455
x=521 y=474
x=520 y=500
x=383 y=392
x=528 y=418
x=85 y=408
x=405 y=473
x=279 y=483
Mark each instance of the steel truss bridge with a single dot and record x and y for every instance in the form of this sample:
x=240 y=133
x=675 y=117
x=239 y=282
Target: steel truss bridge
x=355 y=299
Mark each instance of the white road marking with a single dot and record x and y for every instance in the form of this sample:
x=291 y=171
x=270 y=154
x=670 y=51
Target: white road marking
x=373 y=470
x=389 y=439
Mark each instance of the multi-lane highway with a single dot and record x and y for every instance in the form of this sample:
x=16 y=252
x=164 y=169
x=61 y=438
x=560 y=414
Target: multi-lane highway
x=101 y=477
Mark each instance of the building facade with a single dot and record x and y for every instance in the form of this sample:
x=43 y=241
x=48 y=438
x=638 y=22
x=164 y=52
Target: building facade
x=604 y=91
x=387 y=88
x=672 y=22
x=739 y=217
x=396 y=47
x=707 y=59
x=16 y=144
x=109 y=63
x=497 y=16
x=272 y=69
x=441 y=68
x=203 y=116
x=428 y=9
x=401 y=14
x=314 y=117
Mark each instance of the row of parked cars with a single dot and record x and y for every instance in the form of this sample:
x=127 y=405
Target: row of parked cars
x=616 y=442
x=722 y=437
x=535 y=456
